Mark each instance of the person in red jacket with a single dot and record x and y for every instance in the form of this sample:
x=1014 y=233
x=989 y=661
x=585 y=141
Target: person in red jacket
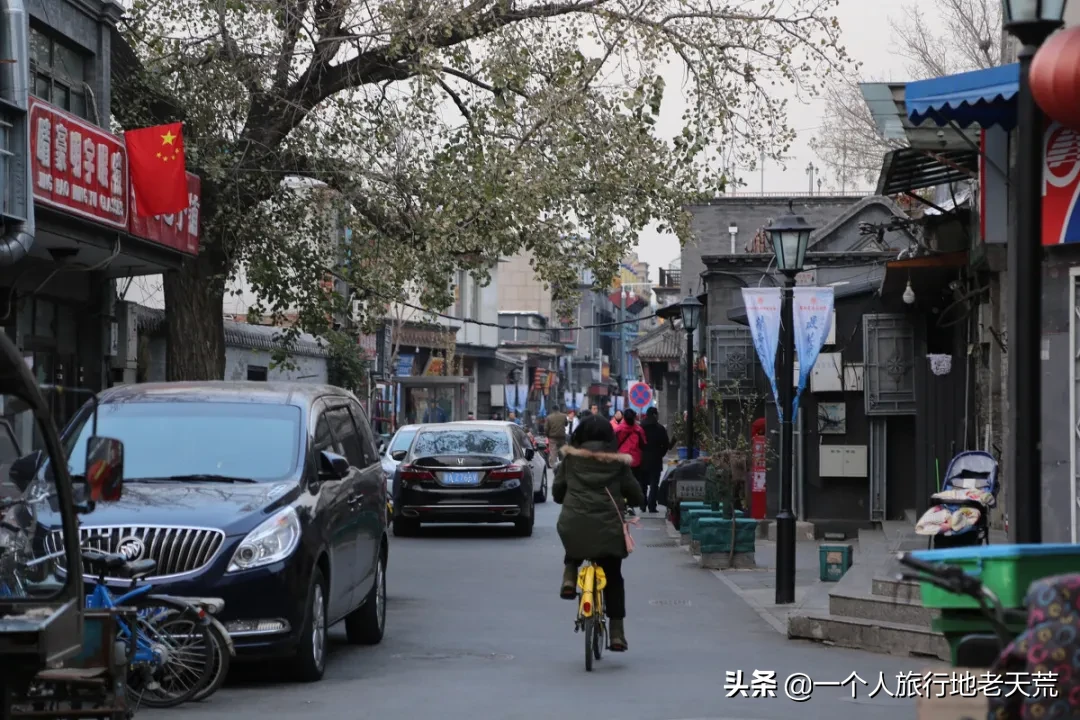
x=631 y=440
x=617 y=420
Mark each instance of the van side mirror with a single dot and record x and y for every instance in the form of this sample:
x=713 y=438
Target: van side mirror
x=332 y=466
x=24 y=469
x=529 y=454
x=398 y=455
x=105 y=469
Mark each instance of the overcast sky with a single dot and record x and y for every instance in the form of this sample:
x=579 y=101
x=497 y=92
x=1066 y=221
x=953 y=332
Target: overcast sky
x=865 y=27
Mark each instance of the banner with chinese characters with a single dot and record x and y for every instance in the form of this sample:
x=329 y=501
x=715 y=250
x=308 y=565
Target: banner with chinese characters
x=78 y=168
x=763 y=314
x=81 y=169
x=811 y=310
x=179 y=231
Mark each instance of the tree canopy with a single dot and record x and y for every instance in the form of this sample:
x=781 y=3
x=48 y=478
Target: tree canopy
x=447 y=134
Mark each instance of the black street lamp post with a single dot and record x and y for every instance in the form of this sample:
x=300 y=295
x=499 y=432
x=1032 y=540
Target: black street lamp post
x=690 y=308
x=1031 y=22
x=790 y=236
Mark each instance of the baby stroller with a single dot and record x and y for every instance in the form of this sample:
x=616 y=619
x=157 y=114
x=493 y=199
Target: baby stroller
x=968 y=493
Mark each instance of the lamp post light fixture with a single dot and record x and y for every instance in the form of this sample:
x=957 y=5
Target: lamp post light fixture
x=790 y=235
x=1030 y=22
x=690 y=308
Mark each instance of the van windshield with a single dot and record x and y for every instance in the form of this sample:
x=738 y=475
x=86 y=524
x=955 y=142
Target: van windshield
x=253 y=441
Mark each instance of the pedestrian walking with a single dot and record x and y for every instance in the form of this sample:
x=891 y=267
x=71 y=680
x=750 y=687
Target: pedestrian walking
x=572 y=421
x=555 y=429
x=657 y=445
x=590 y=482
x=617 y=420
x=630 y=439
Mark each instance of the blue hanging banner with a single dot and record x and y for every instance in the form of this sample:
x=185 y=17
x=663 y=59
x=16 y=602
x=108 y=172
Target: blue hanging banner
x=811 y=312
x=763 y=312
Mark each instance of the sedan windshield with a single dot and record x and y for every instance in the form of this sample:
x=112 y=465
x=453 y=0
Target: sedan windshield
x=245 y=441
x=463 y=442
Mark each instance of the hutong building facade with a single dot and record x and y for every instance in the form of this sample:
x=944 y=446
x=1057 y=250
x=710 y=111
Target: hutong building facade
x=69 y=232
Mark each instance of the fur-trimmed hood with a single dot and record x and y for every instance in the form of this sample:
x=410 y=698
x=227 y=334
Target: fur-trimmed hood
x=609 y=457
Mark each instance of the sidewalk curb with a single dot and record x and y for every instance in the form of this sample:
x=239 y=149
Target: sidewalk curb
x=764 y=614
x=754 y=605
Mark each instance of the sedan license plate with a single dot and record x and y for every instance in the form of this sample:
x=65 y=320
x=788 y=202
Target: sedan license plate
x=461 y=478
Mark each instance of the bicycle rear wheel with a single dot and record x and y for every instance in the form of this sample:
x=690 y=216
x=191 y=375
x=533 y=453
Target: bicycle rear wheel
x=598 y=640
x=183 y=653
x=590 y=641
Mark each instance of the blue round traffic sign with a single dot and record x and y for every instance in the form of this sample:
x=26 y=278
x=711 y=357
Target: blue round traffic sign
x=640 y=395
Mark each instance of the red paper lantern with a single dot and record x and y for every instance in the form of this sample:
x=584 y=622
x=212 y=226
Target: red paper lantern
x=1055 y=77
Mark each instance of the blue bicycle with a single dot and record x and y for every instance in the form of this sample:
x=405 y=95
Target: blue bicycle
x=174 y=649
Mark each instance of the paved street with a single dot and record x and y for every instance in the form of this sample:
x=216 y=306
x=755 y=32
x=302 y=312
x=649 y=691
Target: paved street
x=476 y=630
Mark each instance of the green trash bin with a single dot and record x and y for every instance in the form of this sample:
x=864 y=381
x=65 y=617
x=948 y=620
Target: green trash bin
x=1007 y=570
x=834 y=561
x=956 y=625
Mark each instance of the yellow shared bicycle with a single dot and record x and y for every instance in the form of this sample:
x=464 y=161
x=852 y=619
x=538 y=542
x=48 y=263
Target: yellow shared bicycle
x=591 y=582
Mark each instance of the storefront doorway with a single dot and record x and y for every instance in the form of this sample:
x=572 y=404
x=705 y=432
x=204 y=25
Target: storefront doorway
x=433 y=399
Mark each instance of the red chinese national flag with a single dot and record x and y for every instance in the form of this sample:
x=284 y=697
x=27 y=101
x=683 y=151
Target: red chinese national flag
x=158 y=171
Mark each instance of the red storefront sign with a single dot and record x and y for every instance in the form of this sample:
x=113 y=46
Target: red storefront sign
x=83 y=170
x=78 y=168
x=758 y=466
x=179 y=231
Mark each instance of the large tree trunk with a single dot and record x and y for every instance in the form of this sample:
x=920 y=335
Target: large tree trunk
x=195 y=328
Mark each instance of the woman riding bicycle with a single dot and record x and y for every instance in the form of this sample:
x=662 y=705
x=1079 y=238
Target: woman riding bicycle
x=591 y=484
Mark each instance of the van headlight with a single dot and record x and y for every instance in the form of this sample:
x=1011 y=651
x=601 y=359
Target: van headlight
x=273 y=540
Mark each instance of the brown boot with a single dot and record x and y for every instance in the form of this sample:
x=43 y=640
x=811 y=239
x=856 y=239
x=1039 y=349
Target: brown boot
x=568 y=589
x=617 y=634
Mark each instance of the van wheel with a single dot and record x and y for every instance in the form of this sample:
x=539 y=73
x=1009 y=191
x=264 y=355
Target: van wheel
x=310 y=662
x=366 y=624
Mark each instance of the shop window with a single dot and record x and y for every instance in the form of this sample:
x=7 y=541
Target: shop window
x=58 y=73
x=257 y=373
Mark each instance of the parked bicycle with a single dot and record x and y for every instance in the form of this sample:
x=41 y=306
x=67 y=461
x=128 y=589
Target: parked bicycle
x=590 y=618
x=174 y=647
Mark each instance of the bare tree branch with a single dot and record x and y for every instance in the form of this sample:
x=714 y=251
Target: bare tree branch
x=965 y=37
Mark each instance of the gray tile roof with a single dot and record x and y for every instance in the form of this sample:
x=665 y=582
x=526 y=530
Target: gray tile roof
x=240 y=335
x=664 y=342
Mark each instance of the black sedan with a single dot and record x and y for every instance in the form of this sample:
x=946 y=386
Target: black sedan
x=464 y=473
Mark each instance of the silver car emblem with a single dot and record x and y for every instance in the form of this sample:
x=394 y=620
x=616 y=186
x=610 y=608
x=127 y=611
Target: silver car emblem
x=461 y=461
x=132 y=548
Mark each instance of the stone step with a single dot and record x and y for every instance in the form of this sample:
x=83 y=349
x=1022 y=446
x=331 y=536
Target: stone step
x=889 y=586
x=872 y=635
x=804 y=531
x=876 y=607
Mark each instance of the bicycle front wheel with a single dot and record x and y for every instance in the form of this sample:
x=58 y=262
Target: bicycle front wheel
x=220 y=667
x=174 y=655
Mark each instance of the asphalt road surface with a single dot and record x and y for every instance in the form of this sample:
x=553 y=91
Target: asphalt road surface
x=476 y=631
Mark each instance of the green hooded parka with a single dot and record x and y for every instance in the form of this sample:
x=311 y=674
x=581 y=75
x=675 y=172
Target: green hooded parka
x=589 y=525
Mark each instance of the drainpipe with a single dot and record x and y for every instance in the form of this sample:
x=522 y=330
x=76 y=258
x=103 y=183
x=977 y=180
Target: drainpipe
x=18 y=236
